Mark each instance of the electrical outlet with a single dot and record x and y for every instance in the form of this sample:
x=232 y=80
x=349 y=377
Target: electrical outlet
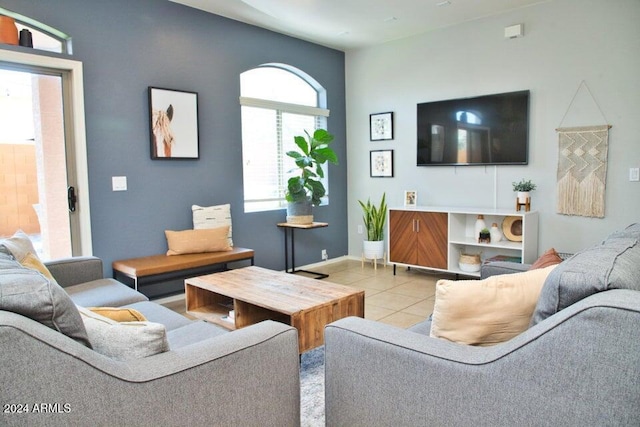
x=360 y=230
x=634 y=174
x=324 y=255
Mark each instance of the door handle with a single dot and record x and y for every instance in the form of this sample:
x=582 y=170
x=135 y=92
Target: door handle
x=71 y=198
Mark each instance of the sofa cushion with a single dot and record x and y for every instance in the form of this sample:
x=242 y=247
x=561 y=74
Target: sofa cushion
x=422 y=328
x=213 y=217
x=193 y=333
x=550 y=257
x=124 y=340
x=104 y=292
x=197 y=241
x=160 y=314
x=31 y=294
x=612 y=264
x=119 y=314
x=489 y=311
x=21 y=248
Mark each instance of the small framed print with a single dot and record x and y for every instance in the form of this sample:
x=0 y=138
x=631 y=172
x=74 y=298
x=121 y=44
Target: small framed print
x=381 y=126
x=173 y=124
x=411 y=198
x=381 y=164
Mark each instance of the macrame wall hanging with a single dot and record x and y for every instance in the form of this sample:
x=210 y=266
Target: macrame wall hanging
x=582 y=166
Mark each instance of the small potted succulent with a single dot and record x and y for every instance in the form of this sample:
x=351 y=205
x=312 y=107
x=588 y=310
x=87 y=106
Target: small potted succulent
x=523 y=188
x=484 y=236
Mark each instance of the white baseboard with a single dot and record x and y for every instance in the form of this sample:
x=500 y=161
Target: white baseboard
x=322 y=263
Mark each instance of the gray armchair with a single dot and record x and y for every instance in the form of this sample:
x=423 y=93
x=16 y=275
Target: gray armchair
x=579 y=367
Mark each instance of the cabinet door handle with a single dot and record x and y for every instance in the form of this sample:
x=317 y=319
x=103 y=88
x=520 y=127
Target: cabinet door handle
x=418 y=225
x=413 y=225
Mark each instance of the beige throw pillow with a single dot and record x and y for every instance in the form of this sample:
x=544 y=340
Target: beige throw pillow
x=198 y=241
x=212 y=217
x=23 y=251
x=486 y=312
x=124 y=340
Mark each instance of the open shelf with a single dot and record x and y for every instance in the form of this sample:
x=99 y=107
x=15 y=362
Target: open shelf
x=461 y=237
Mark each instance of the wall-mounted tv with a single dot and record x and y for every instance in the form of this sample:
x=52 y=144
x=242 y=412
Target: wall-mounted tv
x=484 y=130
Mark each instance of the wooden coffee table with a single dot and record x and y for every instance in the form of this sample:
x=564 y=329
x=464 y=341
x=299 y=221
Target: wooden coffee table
x=256 y=294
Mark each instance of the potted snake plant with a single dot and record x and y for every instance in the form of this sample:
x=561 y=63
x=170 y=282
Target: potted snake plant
x=305 y=189
x=374 y=218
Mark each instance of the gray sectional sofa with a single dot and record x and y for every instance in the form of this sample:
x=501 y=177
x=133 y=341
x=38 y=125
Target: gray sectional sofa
x=208 y=377
x=577 y=365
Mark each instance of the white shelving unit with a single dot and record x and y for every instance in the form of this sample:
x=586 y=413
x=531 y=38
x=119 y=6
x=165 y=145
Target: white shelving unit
x=461 y=236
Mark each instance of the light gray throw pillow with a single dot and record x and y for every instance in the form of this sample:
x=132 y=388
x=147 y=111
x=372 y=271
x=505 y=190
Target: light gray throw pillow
x=613 y=264
x=124 y=340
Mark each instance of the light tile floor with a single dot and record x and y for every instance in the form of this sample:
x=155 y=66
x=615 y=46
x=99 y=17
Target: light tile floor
x=401 y=300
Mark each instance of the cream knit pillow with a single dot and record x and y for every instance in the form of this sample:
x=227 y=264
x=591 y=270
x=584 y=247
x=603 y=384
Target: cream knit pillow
x=213 y=217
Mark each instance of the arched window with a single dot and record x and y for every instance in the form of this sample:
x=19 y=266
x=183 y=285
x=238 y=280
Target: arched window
x=278 y=102
x=468 y=117
x=44 y=37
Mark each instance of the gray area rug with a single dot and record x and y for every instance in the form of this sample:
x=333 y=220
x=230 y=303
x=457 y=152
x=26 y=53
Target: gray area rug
x=312 y=388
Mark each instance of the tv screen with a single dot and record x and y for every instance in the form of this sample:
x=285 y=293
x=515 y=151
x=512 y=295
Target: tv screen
x=485 y=130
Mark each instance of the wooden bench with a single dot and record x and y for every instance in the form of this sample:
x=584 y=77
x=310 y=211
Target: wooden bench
x=158 y=268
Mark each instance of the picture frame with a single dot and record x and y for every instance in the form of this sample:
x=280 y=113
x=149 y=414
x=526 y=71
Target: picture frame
x=411 y=198
x=381 y=126
x=381 y=163
x=173 y=124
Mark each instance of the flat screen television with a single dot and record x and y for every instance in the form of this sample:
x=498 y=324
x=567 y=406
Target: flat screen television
x=484 y=130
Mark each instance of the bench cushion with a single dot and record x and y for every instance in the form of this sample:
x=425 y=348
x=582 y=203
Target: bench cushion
x=159 y=264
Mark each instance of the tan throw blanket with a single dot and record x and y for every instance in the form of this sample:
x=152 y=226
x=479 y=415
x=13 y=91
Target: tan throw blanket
x=582 y=170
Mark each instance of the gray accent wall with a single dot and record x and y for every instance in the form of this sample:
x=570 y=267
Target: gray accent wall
x=564 y=43
x=126 y=46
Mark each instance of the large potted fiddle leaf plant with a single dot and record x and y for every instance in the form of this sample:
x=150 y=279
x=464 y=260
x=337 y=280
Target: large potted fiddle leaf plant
x=305 y=189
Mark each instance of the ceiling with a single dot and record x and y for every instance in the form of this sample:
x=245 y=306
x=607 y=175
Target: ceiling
x=352 y=24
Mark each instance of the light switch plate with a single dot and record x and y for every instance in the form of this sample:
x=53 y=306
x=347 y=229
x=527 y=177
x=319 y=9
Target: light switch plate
x=634 y=174
x=119 y=183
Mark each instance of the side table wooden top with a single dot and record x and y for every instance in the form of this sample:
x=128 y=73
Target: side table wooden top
x=312 y=225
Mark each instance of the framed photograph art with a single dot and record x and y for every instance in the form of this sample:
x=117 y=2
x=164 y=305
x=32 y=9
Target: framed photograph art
x=381 y=126
x=381 y=164
x=173 y=124
x=411 y=198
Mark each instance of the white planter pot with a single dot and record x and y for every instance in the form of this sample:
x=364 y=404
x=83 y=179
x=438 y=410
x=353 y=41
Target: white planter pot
x=373 y=250
x=523 y=196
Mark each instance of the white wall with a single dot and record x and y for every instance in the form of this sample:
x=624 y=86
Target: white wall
x=565 y=42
